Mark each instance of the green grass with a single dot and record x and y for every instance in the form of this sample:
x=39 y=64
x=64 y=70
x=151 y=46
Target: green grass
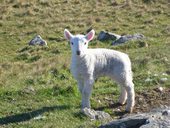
x=32 y=78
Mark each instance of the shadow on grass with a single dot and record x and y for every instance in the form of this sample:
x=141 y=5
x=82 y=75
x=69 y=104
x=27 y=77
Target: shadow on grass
x=113 y=106
x=116 y=105
x=29 y=115
x=79 y=115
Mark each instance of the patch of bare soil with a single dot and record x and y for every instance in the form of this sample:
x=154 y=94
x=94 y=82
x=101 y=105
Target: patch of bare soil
x=150 y=99
x=145 y=101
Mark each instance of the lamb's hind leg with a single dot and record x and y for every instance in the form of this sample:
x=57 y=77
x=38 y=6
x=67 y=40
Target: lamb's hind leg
x=127 y=91
x=129 y=86
x=123 y=95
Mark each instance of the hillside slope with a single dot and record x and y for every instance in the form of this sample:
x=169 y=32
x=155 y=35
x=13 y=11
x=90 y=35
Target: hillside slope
x=36 y=81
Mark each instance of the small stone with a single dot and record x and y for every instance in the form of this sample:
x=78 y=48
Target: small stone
x=37 y=40
x=163 y=79
x=165 y=59
x=160 y=89
x=140 y=100
x=149 y=72
x=118 y=110
x=99 y=101
x=29 y=90
x=102 y=115
x=155 y=75
x=164 y=74
x=108 y=99
x=166 y=113
x=148 y=80
x=39 y=117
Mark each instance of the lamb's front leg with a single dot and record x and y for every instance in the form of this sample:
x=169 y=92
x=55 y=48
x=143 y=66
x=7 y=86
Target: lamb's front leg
x=86 y=92
x=80 y=85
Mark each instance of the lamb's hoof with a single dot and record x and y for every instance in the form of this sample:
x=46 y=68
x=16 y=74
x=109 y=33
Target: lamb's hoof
x=120 y=104
x=84 y=109
x=129 y=111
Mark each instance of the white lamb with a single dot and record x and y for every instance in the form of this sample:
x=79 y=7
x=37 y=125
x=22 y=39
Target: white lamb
x=89 y=64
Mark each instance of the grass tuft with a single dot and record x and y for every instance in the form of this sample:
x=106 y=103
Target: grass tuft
x=23 y=56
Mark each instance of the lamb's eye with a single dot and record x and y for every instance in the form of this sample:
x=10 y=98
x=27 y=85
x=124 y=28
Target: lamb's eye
x=71 y=43
x=85 y=43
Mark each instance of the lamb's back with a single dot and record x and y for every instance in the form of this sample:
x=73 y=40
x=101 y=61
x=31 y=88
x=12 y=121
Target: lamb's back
x=107 y=62
x=108 y=54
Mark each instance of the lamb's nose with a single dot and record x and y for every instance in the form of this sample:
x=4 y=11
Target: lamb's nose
x=78 y=52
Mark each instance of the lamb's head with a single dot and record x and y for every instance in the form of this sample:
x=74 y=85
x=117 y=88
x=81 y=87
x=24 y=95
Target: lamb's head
x=79 y=43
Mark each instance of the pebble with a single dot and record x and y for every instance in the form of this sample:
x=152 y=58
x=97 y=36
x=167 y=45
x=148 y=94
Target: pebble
x=164 y=74
x=155 y=75
x=99 y=101
x=140 y=100
x=166 y=113
x=148 y=80
x=160 y=89
x=39 y=117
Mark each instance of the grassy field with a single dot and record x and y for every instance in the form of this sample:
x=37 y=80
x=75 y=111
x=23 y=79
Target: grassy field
x=37 y=89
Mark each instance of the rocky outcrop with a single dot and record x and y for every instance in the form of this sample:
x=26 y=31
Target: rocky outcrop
x=158 y=118
x=126 y=38
x=118 y=39
x=104 y=36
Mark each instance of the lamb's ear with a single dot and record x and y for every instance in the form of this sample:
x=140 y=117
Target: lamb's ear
x=89 y=36
x=67 y=34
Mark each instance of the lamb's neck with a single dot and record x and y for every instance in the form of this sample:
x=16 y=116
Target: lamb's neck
x=78 y=59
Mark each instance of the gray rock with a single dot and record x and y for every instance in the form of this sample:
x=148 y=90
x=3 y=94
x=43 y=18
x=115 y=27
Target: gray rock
x=126 y=38
x=130 y=122
x=117 y=39
x=104 y=36
x=166 y=113
x=37 y=40
x=158 y=118
x=96 y=115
